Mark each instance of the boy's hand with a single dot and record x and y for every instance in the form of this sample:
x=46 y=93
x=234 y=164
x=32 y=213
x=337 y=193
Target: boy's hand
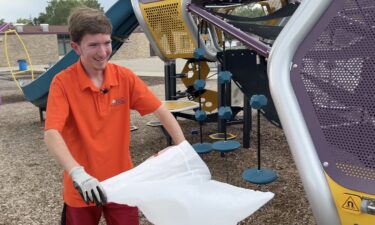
x=88 y=186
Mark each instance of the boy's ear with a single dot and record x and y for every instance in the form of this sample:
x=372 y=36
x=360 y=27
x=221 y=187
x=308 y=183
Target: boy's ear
x=75 y=47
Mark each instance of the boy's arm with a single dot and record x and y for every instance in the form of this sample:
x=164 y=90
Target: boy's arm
x=88 y=186
x=170 y=124
x=56 y=145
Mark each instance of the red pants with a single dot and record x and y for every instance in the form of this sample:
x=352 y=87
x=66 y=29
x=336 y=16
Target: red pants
x=114 y=214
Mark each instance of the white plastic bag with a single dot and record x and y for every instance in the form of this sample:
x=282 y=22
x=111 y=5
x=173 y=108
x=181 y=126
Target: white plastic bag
x=175 y=188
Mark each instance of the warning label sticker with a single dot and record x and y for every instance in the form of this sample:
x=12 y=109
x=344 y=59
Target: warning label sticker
x=351 y=203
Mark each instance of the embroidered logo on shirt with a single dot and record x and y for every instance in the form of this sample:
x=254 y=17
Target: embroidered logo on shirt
x=118 y=101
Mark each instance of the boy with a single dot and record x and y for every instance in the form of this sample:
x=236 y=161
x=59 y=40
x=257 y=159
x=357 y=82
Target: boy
x=88 y=121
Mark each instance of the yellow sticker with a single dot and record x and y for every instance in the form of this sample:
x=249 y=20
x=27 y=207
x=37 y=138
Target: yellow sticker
x=352 y=204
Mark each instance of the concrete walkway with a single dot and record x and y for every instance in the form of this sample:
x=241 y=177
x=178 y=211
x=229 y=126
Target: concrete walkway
x=152 y=66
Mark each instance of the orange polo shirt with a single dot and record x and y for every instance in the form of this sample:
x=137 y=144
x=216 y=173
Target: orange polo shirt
x=95 y=124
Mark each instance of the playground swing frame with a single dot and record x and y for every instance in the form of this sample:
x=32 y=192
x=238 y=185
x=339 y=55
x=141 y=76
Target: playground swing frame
x=6 y=52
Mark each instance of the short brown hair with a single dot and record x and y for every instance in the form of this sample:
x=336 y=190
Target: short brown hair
x=84 y=20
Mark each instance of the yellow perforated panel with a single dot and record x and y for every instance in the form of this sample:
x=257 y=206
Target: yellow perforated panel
x=168 y=28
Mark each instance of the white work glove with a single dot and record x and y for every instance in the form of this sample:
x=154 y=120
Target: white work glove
x=88 y=186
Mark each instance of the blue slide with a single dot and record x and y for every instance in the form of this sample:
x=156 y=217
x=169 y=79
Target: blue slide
x=123 y=21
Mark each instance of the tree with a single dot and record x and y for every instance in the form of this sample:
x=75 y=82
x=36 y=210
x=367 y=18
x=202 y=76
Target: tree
x=2 y=21
x=251 y=10
x=25 y=21
x=57 y=11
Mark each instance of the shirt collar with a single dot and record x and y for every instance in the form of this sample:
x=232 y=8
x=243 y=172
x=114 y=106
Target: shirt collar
x=110 y=80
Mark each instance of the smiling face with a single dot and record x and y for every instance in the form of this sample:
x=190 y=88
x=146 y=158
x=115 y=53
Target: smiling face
x=94 y=51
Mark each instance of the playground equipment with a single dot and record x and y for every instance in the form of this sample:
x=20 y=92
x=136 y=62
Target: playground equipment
x=200 y=114
x=171 y=30
x=225 y=114
x=23 y=69
x=4 y=27
x=321 y=78
x=170 y=25
x=259 y=175
x=173 y=107
x=178 y=106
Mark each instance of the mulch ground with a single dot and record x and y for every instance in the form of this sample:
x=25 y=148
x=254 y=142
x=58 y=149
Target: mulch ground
x=30 y=184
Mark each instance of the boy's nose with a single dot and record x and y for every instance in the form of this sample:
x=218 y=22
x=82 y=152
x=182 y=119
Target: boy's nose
x=103 y=50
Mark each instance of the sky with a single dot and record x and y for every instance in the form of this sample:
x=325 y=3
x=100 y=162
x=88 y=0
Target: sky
x=11 y=10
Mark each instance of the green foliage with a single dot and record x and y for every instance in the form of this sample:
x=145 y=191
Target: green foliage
x=2 y=21
x=25 y=21
x=252 y=10
x=57 y=11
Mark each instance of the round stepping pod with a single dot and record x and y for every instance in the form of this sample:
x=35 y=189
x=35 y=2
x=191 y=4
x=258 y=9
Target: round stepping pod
x=225 y=112
x=258 y=101
x=200 y=115
x=199 y=85
x=199 y=53
x=224 y=77
x=202 y=148
x=226 y=146
x=259 y=176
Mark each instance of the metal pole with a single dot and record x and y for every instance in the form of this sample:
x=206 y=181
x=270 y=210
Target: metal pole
x=170 y=79
x=253 y=43
x=247 y=121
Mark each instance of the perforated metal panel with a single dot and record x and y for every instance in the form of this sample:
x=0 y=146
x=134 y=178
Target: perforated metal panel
x=168 y=28
x=334 y=80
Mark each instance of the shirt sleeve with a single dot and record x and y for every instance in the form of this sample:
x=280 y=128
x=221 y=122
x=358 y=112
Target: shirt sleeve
x=57 y=106
x=142 y=98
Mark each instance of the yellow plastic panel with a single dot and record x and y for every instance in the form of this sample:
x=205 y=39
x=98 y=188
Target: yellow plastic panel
x=179 y=106
x=192 y=69
x=168 y=28
x=348 y=203
x=209 y=100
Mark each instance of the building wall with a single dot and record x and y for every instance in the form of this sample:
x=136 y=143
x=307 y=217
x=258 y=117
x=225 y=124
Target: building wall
x=42 y=49
x=137 y=46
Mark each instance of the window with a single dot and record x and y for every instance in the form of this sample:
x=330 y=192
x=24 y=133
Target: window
x=63 y=41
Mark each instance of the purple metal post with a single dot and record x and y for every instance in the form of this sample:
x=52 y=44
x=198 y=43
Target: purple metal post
x=254 y=44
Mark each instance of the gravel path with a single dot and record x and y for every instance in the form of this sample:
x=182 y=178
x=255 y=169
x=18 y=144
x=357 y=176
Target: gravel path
x=30 y=184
